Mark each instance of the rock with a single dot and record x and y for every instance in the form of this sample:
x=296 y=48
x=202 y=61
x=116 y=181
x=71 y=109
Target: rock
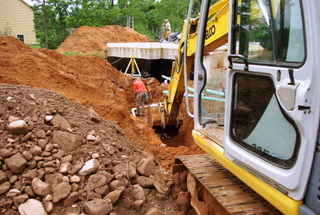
x=48 y=207
x=91 y=166
x=48 y=118
x=103 y=190
x=40 y=188
x=61 y=191
x=73 y=197
x=75 y=179
x=145 y=182
x=160 y=188
x=18 y=200
x=76 y=167
x=93 y=115
x=5 y=153
x=59 y=154
x=115 y=195
x=18 y=127
x=16 y=163
x=98 y=207
x=90 y=137
x=95 y=181
x=32 y=207
x=65 y=168
x=3 y=177
x=28 y=190
x=137 y=192
x=35 y=150
x=138 y=204
x=33 y=173
x=126 y=169
x=67 y=158
x=42 y=143
x=118 y=183
x=27 y=155
x=13 y=192
x=155 y=211
x=48 y=147
x=60 y=121
x=183 y=201
x=67 y=141
x=41 y=134
x=4 y=187
x=107 y=175
x=146 y=167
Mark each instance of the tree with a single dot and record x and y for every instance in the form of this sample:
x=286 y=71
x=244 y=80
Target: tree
x=56 y=19
x=50 y=22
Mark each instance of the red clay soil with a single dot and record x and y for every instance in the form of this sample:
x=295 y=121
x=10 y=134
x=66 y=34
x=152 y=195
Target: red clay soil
x=93 y=82
x=88 y=39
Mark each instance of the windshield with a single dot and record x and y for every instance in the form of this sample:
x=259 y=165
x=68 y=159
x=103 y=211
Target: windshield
x=269 y=31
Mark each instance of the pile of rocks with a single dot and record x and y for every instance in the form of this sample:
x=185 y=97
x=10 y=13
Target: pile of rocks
x=57 y=157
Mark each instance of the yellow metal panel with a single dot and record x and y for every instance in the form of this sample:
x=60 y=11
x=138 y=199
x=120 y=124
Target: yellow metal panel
x=282 y=202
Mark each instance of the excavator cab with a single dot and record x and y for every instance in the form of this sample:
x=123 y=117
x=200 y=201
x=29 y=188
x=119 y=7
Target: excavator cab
x=271 y=118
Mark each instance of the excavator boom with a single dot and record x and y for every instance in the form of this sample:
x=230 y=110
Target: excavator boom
x=216 y=36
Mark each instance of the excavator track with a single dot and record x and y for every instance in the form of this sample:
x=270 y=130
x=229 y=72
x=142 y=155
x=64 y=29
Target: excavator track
x=231 y=193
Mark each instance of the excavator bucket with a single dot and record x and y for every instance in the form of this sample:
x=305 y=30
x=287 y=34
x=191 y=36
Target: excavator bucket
x=154 y=115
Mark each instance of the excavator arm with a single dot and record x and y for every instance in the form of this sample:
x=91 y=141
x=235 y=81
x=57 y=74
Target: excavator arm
x=216 y=36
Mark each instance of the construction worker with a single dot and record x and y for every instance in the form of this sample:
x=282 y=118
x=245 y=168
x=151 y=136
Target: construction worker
x=166 y=25
x=141 y=96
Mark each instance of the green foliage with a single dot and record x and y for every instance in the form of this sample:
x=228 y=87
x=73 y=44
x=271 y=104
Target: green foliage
x=6 y=30
x=35 y=46
x=54 y=19
x=70 y=53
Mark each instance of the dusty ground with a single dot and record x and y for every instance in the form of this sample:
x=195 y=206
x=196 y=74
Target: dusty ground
x=94 y=83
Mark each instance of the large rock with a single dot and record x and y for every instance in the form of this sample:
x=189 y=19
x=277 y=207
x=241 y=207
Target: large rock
x=145 y=182
x=146 y=166
x=74 y=196
x=32 y=207
x=98 y=207
x=18 y=127
x=3 y=176
x=91 y=166
x=16 y=163
x=94 y=116
x=4 y=187
x=61 y=191
x=67 y=141
x=40 y=188
x=5 y=153
x=115 y=195
x=127 y=170
x=96 y=181
x=61 y=122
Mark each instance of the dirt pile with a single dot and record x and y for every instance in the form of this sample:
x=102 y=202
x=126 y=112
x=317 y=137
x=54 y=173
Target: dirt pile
x=94 y=83
x=60 y=158
x=93 y=39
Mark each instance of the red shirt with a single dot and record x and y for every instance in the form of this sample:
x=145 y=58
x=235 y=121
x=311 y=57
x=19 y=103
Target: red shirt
x=139 y=86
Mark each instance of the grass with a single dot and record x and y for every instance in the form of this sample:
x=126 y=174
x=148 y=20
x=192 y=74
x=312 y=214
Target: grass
x=36 y=46
x=97 y=54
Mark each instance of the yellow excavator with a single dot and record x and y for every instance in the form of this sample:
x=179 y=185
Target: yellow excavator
x=265 y=159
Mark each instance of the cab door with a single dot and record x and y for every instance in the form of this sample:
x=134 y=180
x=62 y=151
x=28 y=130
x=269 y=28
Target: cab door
x=272 y=110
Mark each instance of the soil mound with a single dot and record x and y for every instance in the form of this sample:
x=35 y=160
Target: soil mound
x=93 y=39
x=94 y=83
x=68 y=158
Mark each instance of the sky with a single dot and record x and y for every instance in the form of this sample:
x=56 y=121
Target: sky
x=29 y=2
